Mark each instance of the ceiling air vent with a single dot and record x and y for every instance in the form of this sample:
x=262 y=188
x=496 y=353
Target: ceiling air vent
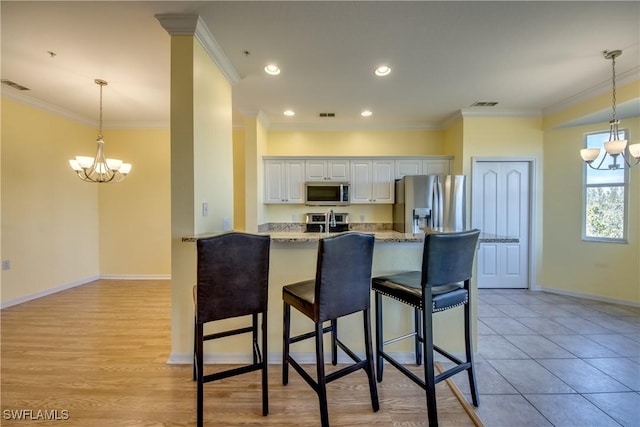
x=327 y=114
x=484 y=104
x=14 y=85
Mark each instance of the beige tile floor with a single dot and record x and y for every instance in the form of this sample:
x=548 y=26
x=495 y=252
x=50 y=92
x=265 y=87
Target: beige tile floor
x=552 y=360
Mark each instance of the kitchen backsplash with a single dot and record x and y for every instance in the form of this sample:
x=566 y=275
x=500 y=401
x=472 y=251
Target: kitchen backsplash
x=299 y=227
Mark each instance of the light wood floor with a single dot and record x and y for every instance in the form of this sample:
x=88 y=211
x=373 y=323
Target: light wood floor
x=97 y=355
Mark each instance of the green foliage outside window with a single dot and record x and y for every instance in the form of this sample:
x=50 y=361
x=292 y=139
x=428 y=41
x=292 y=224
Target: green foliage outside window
x=605 y=212
x=605 y=196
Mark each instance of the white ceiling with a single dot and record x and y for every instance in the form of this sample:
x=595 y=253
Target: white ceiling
x=531 y=57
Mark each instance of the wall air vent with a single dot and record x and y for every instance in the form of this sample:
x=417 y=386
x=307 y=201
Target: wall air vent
x=327 y=114
x=484 y=104
x=14 y=85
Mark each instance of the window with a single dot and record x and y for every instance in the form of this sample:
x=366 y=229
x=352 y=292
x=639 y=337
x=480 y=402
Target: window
x=605 y=196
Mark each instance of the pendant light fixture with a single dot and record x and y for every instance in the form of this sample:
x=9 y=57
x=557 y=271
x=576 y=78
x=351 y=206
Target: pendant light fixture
x=98 y=168
x=615 y=146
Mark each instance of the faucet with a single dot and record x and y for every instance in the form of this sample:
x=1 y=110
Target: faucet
x=329 y=220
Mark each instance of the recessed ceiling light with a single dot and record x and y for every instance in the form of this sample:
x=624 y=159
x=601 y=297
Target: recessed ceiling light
x=366 y=113
x=289 y=113
x=383 y=70
x=272 y=69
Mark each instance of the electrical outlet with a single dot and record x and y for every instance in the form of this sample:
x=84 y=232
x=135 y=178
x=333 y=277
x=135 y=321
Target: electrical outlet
x=6 y=264
x=361 y=218
x=294 y=218
x=205 y=209
x=225 y=224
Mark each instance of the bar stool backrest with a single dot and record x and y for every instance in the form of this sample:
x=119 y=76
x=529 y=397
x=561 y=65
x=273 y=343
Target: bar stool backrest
x=448 y=258
x=343 y=275
x=233 y=276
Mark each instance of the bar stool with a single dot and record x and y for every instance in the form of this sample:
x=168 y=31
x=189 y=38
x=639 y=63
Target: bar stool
x=447 y=261
x=232 y=281
x=342 y=286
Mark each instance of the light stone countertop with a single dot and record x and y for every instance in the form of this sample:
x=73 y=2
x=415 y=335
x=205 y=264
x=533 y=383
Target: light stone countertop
x=385 y=236
x=381 y=236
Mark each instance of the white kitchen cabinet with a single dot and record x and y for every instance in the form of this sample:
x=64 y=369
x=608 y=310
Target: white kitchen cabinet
x=372 y=181
x=284 y=181
x=422 y=166
x=436 y=166
x=408 y=167
x=328 y=170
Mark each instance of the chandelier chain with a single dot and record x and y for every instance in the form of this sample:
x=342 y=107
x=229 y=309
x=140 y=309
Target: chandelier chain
x=613 y=79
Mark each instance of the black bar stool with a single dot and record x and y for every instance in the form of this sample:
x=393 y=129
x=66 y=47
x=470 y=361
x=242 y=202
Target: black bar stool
x=233 y=276
x=342 y=286
x=447 y=261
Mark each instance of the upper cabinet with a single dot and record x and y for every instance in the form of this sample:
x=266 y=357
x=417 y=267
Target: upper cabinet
x=436 y=166
x=408 y=167
x=284 y=181
x=372 y=181
x=372 y=178
x=418 y=166
x=328 y=170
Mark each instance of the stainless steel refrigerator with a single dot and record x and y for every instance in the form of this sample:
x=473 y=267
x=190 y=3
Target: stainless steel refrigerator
x=435 y=201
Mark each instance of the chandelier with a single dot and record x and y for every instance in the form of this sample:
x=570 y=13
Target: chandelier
x=99 y=168
x=614 y=146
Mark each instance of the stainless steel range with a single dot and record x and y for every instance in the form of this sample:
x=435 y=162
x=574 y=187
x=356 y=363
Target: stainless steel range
x=321 y=222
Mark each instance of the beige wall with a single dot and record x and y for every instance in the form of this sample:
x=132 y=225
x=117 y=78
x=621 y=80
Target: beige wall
x=58 y=231
x=608 y=270
x=255 y=141
x=356 y=143
x=239 y=180
x=201 y=170
x=135 y=215
x=603 y=270
x=49 y=216
x=511 y=138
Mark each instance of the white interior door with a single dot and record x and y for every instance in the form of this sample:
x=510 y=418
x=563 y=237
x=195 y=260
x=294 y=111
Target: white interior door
x=500 y=206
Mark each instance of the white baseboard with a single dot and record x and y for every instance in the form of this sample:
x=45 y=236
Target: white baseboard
x=49 y=291
x=136 y=277
x=587 y=296
x=80 y=282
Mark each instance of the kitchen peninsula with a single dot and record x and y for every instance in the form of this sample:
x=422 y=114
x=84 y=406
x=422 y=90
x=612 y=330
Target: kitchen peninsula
x=293 y=258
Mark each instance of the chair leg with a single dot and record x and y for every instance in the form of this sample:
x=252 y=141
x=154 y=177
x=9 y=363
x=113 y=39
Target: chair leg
x=429 y=361
x=265 y=364
x=195 y=340
x=334 y=339
x=473 y=386
x=419 y=336
x=286 y=331
x=379 y=339
x=200 y=373
x=254 y=337
x=322 y=383
x=373 y=390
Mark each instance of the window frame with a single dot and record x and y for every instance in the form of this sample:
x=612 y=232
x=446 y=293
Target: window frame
x=623 y=134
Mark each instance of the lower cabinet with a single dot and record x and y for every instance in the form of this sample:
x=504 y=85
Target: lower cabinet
x=372 y=181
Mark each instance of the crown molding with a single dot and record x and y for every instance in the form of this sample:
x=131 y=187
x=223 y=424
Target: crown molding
x=192 y=25
x=499 y=112
x=14 y=95
x=352 y=126
x=622 y=78
x=449 y=121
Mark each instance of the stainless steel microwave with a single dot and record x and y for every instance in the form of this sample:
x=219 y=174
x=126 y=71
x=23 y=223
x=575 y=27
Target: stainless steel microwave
x=326 y=193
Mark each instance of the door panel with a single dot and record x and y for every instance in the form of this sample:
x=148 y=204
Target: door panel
x=501 y=207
